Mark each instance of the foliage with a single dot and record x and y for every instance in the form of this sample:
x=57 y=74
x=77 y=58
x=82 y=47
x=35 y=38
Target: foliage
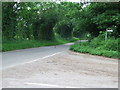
x=47 y=21
x=9 y=20
x=98 y=17
x=64 y=29
x=43 y=27
x=23 y=44
x=98 y=46
x=37 y=20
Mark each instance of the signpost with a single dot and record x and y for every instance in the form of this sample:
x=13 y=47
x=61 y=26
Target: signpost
x=107 y=30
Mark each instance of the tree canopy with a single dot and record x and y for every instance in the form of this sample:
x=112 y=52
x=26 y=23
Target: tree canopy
x=43 y=20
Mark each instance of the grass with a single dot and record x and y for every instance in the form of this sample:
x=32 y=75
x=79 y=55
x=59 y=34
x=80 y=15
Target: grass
x=99 y=47
x=23 y=44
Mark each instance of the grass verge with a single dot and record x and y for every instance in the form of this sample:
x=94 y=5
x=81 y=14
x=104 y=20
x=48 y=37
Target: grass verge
x=98 y=47
x=23 y=44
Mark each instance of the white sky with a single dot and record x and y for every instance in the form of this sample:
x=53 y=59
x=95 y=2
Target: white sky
x=65 y=0
x=72 y=0
x=77 y=0
x=93 y=0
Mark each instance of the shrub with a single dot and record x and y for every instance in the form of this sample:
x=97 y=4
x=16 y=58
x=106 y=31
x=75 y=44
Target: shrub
x=98 y=46
x=111 y=44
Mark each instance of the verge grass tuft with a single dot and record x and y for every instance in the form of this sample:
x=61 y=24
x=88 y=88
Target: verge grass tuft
x=98 y=46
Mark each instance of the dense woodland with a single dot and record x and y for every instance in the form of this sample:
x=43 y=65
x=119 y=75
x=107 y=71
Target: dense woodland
x=35 y=24
x=46 y=20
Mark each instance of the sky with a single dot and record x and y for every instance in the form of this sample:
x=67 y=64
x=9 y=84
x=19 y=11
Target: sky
x=77 y=0
x=94 y=0
x=56 y=0
x=64 y=0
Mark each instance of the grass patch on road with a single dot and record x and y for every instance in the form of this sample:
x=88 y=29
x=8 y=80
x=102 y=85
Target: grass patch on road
x=23 y=44
x=98 y=46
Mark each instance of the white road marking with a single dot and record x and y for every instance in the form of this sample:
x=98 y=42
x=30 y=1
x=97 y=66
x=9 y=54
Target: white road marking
x=44 y=57
x=49 y=85
x=36 y=59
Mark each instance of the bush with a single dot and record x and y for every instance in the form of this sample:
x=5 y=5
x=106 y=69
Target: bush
x=98 y=46
x=96 y=42
x=111 y=44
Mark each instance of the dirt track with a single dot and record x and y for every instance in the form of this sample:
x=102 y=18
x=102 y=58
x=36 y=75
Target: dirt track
x=65 y=70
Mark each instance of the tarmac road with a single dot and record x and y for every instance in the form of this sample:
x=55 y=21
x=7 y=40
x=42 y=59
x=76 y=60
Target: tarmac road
x=50 y=67
x=64 y=70
x=12 y=58
x=16 y=57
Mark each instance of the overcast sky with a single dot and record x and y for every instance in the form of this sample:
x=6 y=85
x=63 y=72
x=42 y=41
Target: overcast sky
x=94 y=0
x=77 y=0
x=62 y=0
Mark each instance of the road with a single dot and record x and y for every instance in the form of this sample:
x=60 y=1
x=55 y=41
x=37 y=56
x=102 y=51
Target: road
x=12 y=58
x=50 y=67
x=64 y=70
x=16 y=57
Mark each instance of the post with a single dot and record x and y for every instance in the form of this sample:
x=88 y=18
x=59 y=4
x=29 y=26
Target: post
x=106 y=35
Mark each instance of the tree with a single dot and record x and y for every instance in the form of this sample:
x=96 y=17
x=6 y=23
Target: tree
x=43 y=27
x=8 y=20
x=64 y=28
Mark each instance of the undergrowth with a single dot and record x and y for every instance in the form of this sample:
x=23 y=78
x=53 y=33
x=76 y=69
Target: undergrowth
x=99 y=46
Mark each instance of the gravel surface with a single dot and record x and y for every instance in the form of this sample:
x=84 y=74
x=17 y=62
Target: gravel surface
x=65 y=70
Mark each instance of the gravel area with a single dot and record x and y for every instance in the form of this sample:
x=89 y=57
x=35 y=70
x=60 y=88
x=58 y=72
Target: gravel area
x=65 y=70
